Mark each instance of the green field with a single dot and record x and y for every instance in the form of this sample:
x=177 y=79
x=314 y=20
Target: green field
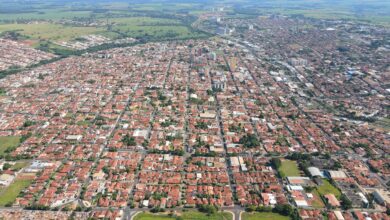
x=48 y=31
x=317 y=202
x=373 y=11
x=190 y=215
x=8 y=142
x=328 y=188
x=154 y=21
x=288 y=168
x=263 y=216
x=46 y=14
x=19 y=165
x=9 y=194
x=155 y=27
x=383 y=123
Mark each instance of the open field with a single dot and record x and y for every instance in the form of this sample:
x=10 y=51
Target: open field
x=383 y=123
x=10 y=193
x=317 y=201
x=373 y=11
x=48 y=31
x=153 y=27
x=148 y=28
x=45 y=14
x=288 y=168
x=19 y=165
x=327 y=188
x=190 y=215
x=263 y=216
x=8 y=142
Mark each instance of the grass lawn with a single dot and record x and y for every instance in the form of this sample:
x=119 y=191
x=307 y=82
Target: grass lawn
x=263 y=216
x=327 y=188
x=150 y=216
x=9 y=194
x=8 y=142
x=19 y=165
x=288 y=168
x=317 y=201
x=190 y=215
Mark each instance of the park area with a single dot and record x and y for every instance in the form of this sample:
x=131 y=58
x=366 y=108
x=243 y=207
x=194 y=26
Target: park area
x=188 y=215
x=263 y=216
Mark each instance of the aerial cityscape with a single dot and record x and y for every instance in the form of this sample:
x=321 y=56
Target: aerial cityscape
x=193 y=110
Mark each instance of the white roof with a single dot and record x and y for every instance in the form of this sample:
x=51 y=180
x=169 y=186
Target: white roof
x=339 y=215
x=334 y=174
x=301 y=203
x=234 y=161
x=314 y=171
x=294 y=187
x=140 y=133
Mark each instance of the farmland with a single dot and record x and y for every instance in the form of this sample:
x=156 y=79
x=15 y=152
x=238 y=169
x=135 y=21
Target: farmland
x=48 y=24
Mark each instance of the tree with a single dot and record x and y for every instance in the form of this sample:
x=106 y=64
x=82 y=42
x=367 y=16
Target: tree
x=28 y=123
x=284 y=209
x=6 y=166
x=209 y=209
x=128 y=141
x=249 y=141
x=276 y=162
x=345 y=202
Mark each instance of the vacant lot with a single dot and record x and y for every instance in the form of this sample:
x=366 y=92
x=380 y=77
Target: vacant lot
x=317 y=202
x=9 y=194
x=8 y=142
x=263 y=216
x=19 y=165
x=288 y=168
x=191 y=215
x=327 y=188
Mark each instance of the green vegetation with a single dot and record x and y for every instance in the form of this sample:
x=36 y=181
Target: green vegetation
x=383 y=123
x=149 y=216
x=19 y=165
x=128 y=141
x=190 y=215
x=279 y=211
x=2 y=92
x=288 y=168
x=48 y=31
x=317 y=202
x=209 y=209
x=84 y=123
x=201 y=125
x=8 y=195
x=328 y=188
x=44 y=25
x=345 y=202
x=8 y=143
x=250 y=141
x=375 y=11
x=263 y=216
